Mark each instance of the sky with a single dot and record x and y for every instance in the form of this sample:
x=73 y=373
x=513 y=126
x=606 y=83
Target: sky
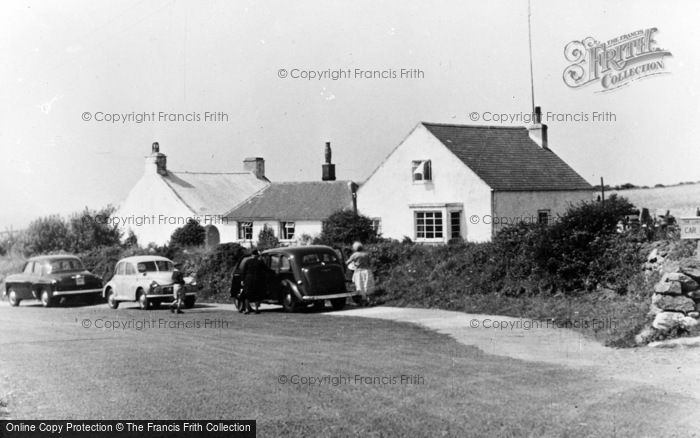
x=65 y=62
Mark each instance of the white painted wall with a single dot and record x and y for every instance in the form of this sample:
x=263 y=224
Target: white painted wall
x=152 y=211
x=390 y=190
x=312 y=228
x=510 y=207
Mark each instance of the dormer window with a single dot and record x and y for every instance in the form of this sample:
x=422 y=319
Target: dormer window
x=422 y=171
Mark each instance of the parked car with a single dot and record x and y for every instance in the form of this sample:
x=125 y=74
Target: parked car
x=301 y=276
x=51 y=279
x=147 y=280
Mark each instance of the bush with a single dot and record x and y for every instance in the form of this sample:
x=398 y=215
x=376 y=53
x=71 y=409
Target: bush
x=45 y=235
x=267 y=239
x=578 y=251
x=191 y=234
x=89 y=230
x=346 y=226
x=215 y=270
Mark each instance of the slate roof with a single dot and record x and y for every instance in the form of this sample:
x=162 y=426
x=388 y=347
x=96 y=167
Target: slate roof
x=213 y=193
x=309 y=200
x=507 y=159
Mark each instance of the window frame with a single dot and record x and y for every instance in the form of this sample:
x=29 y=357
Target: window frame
x=452 y=224
x=436 y=214
x=428 y=171
x=284 y=230
x=242 y=227
x=546 y=212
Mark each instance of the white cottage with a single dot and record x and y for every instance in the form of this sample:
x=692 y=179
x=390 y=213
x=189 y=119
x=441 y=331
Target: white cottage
x=447 y=181
x=164 y=200
x=291 y=209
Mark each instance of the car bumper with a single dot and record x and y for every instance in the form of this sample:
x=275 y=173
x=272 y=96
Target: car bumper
x=328 y=297
x=59 y=293
x=168 y=296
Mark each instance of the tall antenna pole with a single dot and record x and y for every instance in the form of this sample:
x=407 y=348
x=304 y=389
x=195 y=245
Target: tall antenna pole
x=529 y=34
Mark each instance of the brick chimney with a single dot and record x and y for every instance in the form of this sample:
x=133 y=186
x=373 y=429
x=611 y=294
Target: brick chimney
x=255 y=165
x=328 y=169
x=538 y=130
x=156 y=163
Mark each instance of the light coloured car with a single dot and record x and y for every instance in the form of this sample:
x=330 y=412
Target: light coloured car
x=146 y=280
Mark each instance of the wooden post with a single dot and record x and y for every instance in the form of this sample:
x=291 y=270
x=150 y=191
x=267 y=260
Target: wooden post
x=602 y=190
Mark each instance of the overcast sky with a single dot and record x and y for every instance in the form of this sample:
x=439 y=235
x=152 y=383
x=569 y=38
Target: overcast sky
x=63 y=59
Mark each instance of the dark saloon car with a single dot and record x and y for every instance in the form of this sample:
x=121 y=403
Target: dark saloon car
x=300 y=276
x=51 y=278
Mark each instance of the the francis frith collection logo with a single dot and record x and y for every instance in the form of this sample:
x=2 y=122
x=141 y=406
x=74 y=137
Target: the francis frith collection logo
x=616 y=62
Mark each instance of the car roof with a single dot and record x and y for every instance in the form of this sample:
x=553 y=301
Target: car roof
x=47 y=258
x=299 y=250
x=144 y=258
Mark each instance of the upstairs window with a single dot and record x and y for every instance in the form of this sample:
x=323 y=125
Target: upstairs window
x=245 y=231
x=422 y=170
x=543 y=217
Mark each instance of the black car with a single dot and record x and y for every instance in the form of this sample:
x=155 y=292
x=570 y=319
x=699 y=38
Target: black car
x=300 y=276
x=51 y=278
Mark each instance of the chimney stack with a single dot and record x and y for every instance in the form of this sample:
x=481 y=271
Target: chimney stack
x=328 y=169
x=156 y=163
x=538 y=130
x=255 y=165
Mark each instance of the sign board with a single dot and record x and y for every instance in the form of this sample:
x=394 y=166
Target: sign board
x=690 y=227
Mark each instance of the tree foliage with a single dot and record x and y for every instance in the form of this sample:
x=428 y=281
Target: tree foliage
x=191 y=234
x=267 y=239
x=346 y=226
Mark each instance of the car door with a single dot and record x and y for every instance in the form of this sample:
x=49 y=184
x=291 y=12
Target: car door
x=36 y=280
x=131 y=278
x=23 y=287
x=118 y=280
x=272 y=261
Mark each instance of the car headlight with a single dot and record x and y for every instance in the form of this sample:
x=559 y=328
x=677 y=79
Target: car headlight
x=154 y=285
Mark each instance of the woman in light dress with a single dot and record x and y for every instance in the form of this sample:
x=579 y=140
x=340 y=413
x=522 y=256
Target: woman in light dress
x=362 y=277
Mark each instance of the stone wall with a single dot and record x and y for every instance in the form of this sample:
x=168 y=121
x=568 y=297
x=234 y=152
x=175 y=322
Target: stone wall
x=675 y=304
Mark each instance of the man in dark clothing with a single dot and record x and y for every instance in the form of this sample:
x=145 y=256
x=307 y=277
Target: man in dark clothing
x=178 y=289
x=254 y=279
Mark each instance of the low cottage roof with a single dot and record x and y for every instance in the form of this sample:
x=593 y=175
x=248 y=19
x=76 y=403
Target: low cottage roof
x=213 y=193
x=309 y=200
x=507 y=159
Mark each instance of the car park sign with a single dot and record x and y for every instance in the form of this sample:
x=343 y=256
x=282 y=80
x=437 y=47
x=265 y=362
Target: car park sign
x=690 y=227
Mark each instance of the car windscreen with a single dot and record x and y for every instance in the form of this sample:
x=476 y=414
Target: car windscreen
x=64 y=265
x=154 y=266
x=316 y=258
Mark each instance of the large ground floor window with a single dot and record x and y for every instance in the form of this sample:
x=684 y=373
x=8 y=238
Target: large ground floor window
x=429 y=225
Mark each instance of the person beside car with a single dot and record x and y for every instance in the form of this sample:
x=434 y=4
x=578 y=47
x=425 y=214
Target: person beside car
x=254 y=278
x=178 y=289
x=359 y=261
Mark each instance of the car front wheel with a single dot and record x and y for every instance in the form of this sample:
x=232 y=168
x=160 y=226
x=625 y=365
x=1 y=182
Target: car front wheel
x=12 y=297
x=289 y=302
x=338 y=303
x=46 y=299
x=111 y=299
